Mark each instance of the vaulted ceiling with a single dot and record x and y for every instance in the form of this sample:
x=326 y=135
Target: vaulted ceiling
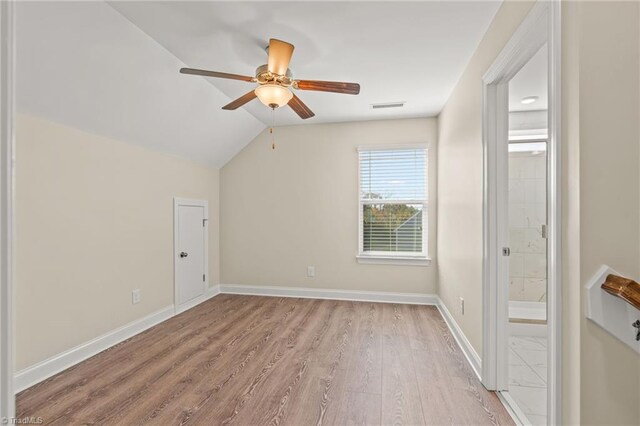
x=84 y=65
x=112 y=68
x=398 y=51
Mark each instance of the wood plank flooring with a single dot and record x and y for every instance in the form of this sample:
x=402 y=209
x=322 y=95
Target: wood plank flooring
x=250 y=360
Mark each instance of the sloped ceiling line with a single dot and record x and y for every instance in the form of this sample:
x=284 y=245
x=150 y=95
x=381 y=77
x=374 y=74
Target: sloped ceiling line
x=84 y=65
x=409 y=51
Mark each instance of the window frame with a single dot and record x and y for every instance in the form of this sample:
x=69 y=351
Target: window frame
x=395 y=258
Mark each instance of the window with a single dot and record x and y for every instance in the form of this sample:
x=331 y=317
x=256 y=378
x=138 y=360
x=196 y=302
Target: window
x=393 y=205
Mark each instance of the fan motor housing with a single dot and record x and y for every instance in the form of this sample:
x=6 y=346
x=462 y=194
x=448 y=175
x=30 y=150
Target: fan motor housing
x=264 y=76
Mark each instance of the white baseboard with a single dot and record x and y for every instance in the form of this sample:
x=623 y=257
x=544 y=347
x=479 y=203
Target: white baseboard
x=468 y=351
x=47 y=368
x=57 y=363
x=332 y=294
x=211 y=292
x=36 y=373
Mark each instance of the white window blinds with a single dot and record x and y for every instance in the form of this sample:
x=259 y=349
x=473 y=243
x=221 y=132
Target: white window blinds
x=393 y=174
x=393 y=201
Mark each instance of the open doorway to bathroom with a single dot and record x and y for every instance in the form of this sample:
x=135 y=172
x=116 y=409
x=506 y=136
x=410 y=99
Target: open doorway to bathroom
x=521 y=222
x=527 y=218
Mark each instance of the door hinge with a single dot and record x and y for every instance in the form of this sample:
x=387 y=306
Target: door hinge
x=544 y=232
x=203 y=278
x=204 y=222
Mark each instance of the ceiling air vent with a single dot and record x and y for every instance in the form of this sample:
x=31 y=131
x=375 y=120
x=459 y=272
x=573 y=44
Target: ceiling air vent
x=388 y=105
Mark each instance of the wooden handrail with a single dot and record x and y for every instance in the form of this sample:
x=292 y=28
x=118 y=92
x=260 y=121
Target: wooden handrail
x=624 y=288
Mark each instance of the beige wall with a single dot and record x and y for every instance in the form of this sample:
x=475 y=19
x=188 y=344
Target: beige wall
x=297 y=205
x=460 y=179
x=94 y=215
x=95 y=221
x=601 y=163
x=609 y=164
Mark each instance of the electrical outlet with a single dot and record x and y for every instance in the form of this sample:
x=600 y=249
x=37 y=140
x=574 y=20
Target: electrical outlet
x=311 y=271
x=135 y=296
x=461 y=306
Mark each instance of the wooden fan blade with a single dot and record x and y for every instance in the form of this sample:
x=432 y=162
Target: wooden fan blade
x=215 y=74
x=241 y=101
x=328 y=86
x=300 y=108
x=280 y=53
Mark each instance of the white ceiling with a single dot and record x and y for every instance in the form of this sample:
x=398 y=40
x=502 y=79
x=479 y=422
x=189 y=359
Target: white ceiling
x=531 y=80
x=113 y=71
x=397 y=51
x=84 y=65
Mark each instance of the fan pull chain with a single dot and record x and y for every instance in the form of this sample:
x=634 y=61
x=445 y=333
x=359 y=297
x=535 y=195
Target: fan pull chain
x=273 y=123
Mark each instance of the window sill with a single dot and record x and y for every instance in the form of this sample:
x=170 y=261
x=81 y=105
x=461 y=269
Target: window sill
x=393 y=260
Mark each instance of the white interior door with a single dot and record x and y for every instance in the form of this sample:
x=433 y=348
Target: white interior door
x=190 y=252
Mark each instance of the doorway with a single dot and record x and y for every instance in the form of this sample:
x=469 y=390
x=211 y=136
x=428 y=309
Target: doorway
x=521 y=319
x=527 y=238
x=7 y=203
x=190 y=252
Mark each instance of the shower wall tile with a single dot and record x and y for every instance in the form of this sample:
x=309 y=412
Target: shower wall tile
x=541 y=167
x=534 y=289
x=527 y=214
x=516 y=288
x=535 y=266
x=518 y=216
x=516 y=191
x=516 y=265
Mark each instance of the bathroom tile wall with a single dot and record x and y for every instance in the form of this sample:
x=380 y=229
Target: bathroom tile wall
x=527 y=214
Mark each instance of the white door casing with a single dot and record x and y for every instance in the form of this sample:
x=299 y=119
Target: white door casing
x=7 y=197
x=542 y=25
x=191 y=273
x=190 y=252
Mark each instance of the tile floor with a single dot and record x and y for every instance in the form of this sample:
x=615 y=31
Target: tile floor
x=528 y=376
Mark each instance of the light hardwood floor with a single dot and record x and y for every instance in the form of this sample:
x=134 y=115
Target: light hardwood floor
x=268 y=360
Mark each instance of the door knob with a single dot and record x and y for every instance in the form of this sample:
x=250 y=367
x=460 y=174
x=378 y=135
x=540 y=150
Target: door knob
x=183 y=254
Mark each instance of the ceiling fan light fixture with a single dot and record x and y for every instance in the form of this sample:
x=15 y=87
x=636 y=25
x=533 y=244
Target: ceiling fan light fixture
x=275 y=81
x=273 y=95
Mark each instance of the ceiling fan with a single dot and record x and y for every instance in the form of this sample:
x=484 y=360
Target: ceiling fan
x=275 y=82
